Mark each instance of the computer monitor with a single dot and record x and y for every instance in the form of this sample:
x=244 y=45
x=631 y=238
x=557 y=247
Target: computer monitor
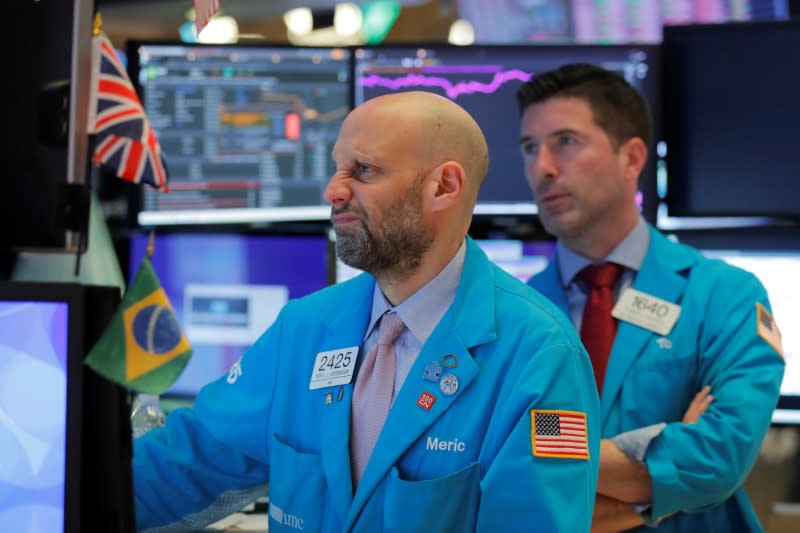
x=604 y=22
x=40 y=442
x=246 y=130
x=228 y=288
x=484 y=80
x=65 y=465
x=731 y=119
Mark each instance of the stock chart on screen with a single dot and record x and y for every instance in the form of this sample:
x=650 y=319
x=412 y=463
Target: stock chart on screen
x=246 y=132
x=484 y=80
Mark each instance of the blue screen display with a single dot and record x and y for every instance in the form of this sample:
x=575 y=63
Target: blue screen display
x=227 y=289
x=33 y=407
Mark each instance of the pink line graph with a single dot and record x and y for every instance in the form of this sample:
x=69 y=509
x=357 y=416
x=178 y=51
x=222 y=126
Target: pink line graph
x=453 y=90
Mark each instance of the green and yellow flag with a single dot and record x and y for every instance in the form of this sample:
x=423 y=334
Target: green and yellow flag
x=143 y=347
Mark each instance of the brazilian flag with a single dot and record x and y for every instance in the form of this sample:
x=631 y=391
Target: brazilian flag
x=143 y=347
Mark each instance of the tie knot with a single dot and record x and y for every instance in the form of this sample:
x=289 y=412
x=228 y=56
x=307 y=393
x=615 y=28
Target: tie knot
x=390 y=328
x=602 y=275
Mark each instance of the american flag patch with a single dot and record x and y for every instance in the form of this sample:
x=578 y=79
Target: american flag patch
x=768 y=329
x=559 y=434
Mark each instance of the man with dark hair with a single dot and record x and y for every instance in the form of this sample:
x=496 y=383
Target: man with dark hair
x=659 y=320
x=433 y=393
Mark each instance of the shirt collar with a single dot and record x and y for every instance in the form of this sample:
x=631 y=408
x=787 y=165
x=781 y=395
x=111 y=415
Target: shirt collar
x=423 y=310
x=628 y=253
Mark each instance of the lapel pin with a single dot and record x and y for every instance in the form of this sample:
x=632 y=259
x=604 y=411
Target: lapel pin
x=449 y=384
x=450 y=360
x=328 y=398
x=426 y=400
x=433 y=372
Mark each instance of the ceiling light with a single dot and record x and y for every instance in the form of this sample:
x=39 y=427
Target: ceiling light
x=220 y=30
x=347 y=18
x=299 y=20
x=461 y=33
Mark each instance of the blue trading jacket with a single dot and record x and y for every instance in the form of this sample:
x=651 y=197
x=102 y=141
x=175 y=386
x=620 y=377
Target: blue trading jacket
x=697 y=470
x=465 y=464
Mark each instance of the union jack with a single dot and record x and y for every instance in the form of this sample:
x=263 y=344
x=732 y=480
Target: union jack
x=124 y=140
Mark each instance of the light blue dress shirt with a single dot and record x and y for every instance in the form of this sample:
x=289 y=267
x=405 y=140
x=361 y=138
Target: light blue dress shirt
x=420 y=312
x=629 y=253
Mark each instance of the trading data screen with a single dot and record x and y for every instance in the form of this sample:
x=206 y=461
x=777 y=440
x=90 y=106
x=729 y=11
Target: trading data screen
x=246 y=132
x=484 y=80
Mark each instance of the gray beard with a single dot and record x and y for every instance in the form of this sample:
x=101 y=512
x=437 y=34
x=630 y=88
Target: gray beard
x=396 y=247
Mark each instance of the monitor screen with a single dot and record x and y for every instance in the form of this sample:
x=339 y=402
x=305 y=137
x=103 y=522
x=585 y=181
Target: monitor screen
x=484 y=81
x=33 y=409
x=777 y=270
x=65 y=445
x=37 y=365
x=604 y=22
x=227 y=288
x=731 y=121
x=246 y=131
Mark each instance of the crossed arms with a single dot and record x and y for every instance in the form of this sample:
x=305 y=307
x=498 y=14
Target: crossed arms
x=623 y=481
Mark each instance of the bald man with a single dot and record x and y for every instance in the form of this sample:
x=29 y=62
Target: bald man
x=432 y=393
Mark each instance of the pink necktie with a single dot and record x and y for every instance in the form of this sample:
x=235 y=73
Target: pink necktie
x=598 y=327
x=372 y=395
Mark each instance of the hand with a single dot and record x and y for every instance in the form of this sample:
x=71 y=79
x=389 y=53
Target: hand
x=699 y=404
x=610 y=515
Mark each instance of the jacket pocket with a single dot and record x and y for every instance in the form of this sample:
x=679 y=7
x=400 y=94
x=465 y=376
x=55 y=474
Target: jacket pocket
x=298 y=494
x=448 y=503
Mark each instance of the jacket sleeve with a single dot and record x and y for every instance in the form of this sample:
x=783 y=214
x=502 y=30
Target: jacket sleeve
x=523 y=491
x=211 y=460
x=695 y=466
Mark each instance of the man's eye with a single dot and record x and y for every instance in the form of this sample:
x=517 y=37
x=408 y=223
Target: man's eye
x=566 y=140
x=362 y=170
x=529 y=148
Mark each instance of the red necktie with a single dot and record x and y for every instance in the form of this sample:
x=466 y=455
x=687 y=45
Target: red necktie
x=598 y=327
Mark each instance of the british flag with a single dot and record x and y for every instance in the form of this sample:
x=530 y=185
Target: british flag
x=124 y=139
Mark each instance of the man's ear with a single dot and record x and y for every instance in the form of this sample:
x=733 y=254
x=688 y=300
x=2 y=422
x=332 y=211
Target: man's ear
x=634 y=152
x=446 y=185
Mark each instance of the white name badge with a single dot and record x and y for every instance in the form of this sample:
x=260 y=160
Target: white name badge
x=334 y=367
x=646 y=311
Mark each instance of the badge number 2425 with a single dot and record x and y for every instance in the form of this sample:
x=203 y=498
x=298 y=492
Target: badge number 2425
x=334 y=367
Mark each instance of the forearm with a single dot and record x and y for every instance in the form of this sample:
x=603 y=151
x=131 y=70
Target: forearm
x=622 y=478
x=612 y=515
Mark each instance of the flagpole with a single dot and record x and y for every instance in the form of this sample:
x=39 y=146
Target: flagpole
x=151 y=244
x=97 y=23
